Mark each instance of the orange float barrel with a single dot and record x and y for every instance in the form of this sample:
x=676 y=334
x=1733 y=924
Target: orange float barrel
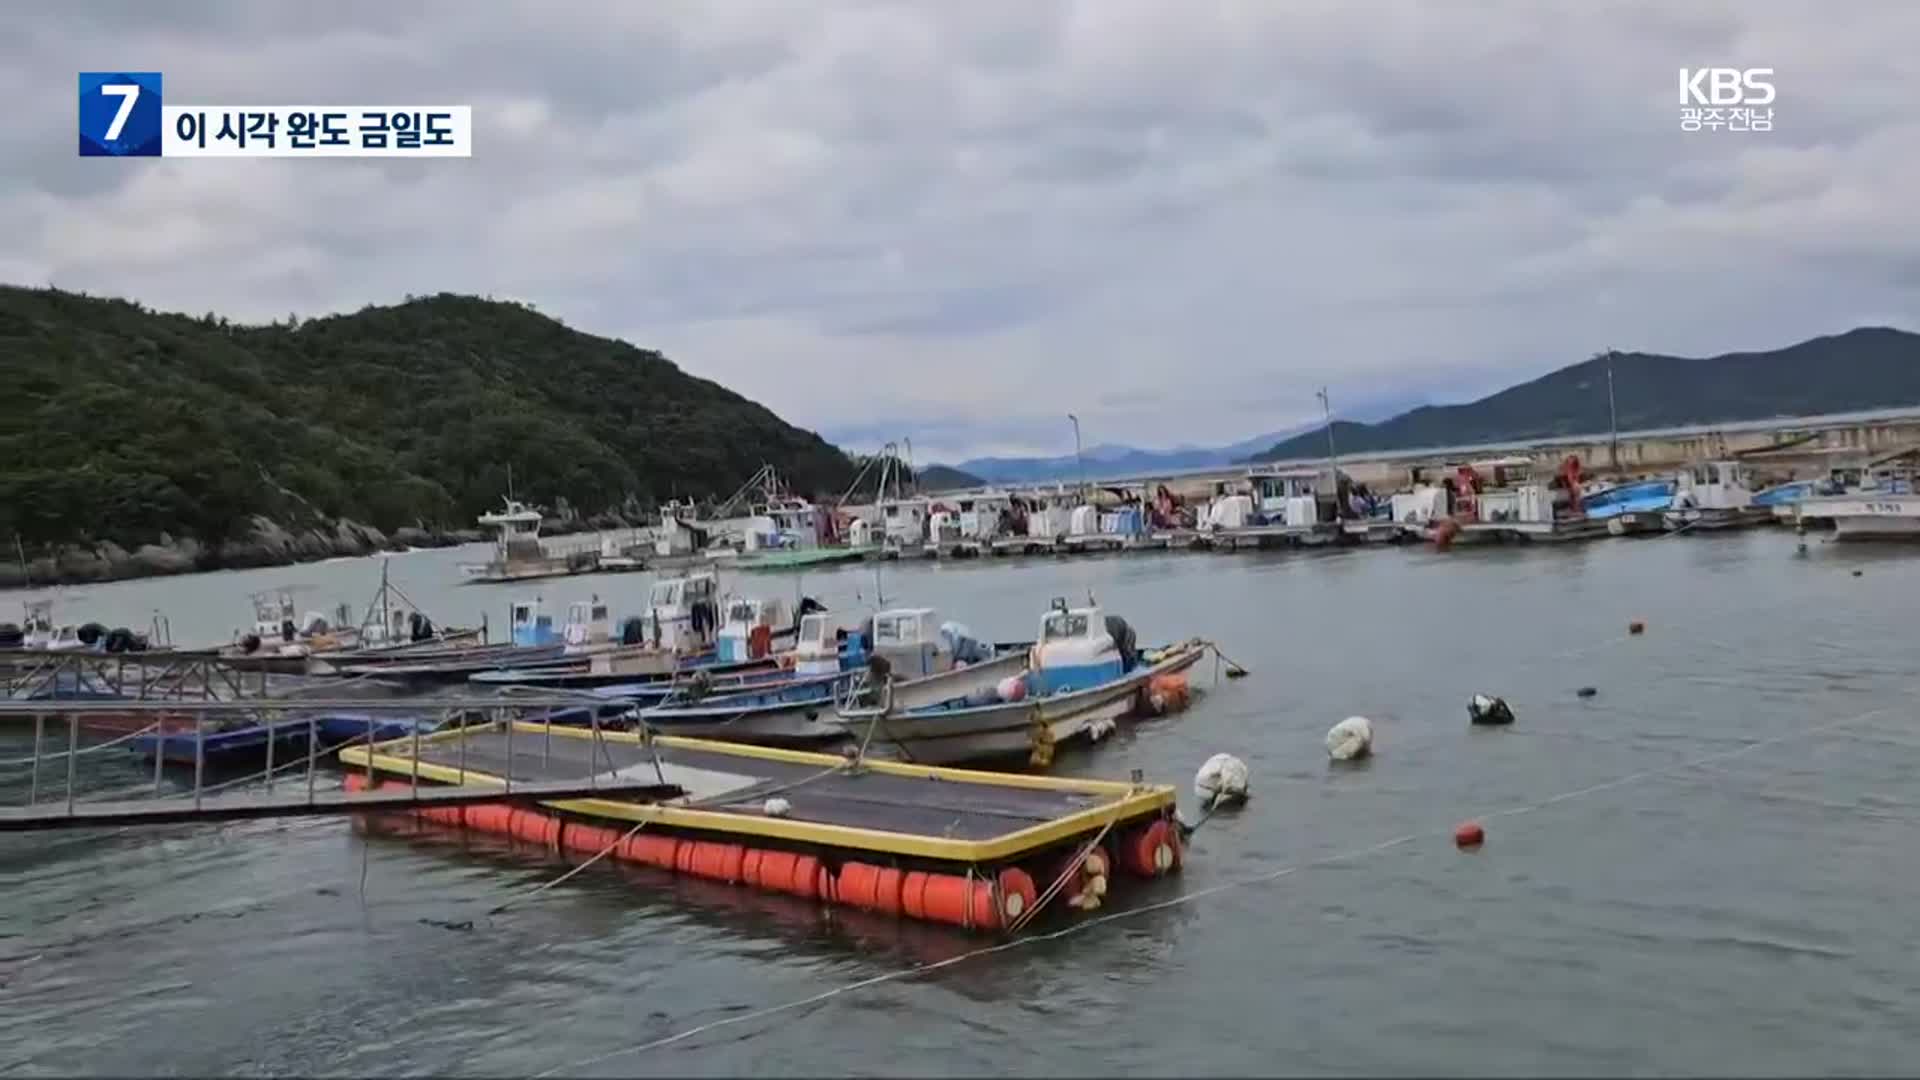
x=650 y=849
x=587 y=839
x=710 y=860
x=534 y=827
x=488 y=817
x=869 y=887
x=782 y=872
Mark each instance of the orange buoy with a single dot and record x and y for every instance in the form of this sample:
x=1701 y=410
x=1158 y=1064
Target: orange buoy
x=1015 y=895
x=1468 y=835
x=1636 y=627
x=1151 y=850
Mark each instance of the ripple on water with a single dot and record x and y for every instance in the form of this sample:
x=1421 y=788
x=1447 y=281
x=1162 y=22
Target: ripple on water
x=1743 y=915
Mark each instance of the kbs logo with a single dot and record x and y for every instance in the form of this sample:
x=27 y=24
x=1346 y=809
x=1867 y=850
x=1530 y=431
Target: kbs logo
x=1733 y=99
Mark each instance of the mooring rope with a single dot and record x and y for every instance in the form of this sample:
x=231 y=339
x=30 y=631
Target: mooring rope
x=61 y=755
x=1198 y=894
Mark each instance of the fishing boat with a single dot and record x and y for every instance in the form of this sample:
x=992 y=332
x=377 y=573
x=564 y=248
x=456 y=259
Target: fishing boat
x=1782 y=500
x=393 y=629
x=917 y=657
x=1633 y=507
x=37 y=632
x=1884 y=505
x=520 y=555
x=1714 y=495
x=785 y=708
x=1083 y=676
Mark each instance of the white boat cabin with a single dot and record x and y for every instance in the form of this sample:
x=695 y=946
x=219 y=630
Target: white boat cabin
x=943 y=525
x=1074 y=651
x=1052 y=514
x=816 y=650
x=981 y=516
x=589 y=625
x=904 y=521
x=516 y=531
x=1290 y=495
x=910 y=640
x=1713 y=485
x=684 y=611
x=41 y=632
x=746 y=631
x=680 y=531
x=1227 y=511
x=528 y=626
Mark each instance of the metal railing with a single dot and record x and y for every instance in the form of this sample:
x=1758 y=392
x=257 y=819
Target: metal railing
x=171 y=734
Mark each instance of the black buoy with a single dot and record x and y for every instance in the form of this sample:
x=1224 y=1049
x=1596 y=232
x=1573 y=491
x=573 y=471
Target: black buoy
x=1586 y=691
x=1482 y=709
x=1857 y=573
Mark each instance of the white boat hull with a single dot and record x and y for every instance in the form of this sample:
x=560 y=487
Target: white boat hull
x=1867 y=516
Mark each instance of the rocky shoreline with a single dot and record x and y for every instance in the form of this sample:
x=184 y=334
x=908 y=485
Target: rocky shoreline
x=267 y=543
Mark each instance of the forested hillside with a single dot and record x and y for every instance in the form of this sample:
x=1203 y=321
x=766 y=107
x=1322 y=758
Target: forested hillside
x=124 y=425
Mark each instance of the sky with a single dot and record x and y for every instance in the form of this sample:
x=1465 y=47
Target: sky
x=957 y=222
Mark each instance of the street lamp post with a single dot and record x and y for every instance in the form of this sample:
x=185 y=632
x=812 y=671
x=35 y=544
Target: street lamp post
x=1333 y=458
x=1613 y=418
x=1079 y=462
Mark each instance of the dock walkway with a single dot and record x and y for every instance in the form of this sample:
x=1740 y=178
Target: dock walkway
x=948 y=814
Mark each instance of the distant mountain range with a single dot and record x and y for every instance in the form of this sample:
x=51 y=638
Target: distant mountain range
x=1108 y=460
x=1866 y=368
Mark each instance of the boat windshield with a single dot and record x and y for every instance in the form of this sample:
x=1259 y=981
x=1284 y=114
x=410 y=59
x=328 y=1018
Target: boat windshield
x=1065 y=624
x=665 y=594
x=813 y=629
x=742 y=611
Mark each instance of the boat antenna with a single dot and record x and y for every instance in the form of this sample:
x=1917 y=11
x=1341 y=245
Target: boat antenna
x=509 y=481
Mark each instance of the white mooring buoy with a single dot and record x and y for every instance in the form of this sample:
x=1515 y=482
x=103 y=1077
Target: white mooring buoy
x=1350 y=739
x=1222 y=781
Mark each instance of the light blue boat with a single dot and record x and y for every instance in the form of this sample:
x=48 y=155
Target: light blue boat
x=1644 y=497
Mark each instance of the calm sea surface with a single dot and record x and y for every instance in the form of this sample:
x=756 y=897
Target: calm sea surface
x=1710 y=867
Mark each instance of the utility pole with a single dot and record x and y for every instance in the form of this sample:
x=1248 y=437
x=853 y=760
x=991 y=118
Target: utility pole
x=1077 y=459
x=1613 y=418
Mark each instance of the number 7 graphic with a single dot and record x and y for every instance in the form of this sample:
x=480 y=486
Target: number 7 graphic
x=121 y=114
x=128 y=93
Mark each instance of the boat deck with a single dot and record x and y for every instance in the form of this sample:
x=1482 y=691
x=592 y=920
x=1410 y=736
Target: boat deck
x=946 y=814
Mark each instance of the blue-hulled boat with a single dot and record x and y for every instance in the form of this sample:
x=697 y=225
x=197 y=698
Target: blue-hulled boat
x=797 y=711
x=1647 y=496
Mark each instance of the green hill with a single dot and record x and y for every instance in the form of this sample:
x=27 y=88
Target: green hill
x=946 y=478
x=1867 y=368
x=126 y=425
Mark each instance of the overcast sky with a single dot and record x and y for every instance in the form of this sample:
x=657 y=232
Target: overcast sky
x=959 y=221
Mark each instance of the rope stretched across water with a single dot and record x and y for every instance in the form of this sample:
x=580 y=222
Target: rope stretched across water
x=1198 y=894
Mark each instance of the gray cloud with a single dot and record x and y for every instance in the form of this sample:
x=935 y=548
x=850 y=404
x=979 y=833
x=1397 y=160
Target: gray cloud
x=957 y=222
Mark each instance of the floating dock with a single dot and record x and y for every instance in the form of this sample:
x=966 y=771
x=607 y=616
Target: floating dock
x=974 y=849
